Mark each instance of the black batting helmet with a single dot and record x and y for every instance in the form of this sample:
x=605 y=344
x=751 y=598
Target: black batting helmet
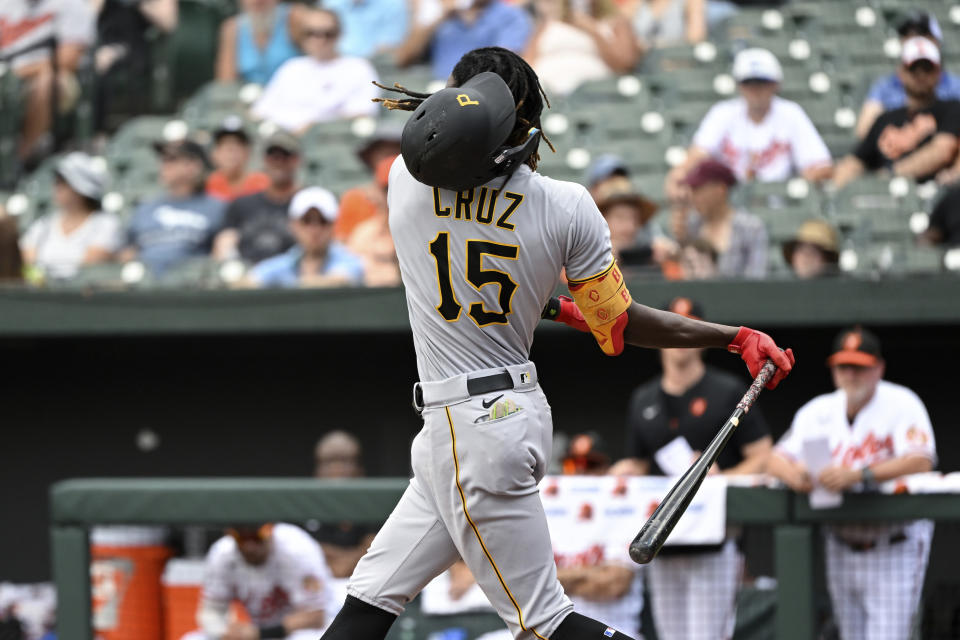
x=456 y=138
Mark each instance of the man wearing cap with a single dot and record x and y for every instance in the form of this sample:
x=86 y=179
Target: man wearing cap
x=321 y=85
x=739 y=238
x=670 y=420
x=875 y=431
x=279 y=574
x=604 y=168
x=181 y=223
x=315 y=260
x=364 y=201
x=256 y=226
x=759 y=135
x=231 y=178
x=78 y=232
x=916 y=140
x=812 y=253
x=888 y=92
x=636 y=241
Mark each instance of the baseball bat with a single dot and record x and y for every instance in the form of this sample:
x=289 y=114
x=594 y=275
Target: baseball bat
x=646 y=545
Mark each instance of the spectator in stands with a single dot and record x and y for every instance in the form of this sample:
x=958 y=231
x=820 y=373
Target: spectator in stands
x=11 y=260
x=670 y=420
x=459 y=27
x=30 y=30
x=338 y=454
x=316 y=260
x=812 y=253
x=739 y=238
x=697 y=260
x=760 y=135
x=277 y=572
x=371 y=241
x=255 y=42
x=366 y=200
x=871 y=431
x=917 y=140
x=606 y=167
x=888 y=92
x=231 y=178
x=123 y=57
x=944 y=227
x=636 y=241
x=664 y=23
x=181 y=223
x=577 y=41
x=370 y=27
x=321 y=85
x=256 y=226
x=77 y=233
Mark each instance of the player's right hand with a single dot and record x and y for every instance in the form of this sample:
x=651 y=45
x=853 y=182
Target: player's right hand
x=755 y=347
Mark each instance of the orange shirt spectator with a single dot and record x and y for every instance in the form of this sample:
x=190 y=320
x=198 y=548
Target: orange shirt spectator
x=364 y=202
x=231 y=156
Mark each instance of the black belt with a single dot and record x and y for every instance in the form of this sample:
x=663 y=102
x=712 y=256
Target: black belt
x=869 y=545
x=475 y=386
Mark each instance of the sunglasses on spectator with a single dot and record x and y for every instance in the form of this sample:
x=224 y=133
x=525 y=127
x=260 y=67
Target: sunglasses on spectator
x=324 y=34
x=756 y=82
x=278 y=152
x=922 y=66
x=312 y=218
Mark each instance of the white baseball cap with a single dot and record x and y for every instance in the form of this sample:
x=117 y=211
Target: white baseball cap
x=314 y=198
x=757 y=64
x=919 y=48
x=84 y=174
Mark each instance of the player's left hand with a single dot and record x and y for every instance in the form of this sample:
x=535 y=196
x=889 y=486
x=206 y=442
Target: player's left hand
x=755 y=347
x=241 y=631
x=838 y=478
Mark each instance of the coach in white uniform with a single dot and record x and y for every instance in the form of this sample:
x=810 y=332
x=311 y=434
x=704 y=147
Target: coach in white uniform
x=876 y=431
x=278 y=572
x=481 y=238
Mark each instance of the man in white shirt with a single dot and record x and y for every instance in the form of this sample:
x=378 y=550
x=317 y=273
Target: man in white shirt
x=278 y=573
x=321 y=85
x=874 y=431
x=759 y=135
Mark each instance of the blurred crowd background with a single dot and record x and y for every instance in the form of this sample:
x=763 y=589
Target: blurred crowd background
x=161 y=143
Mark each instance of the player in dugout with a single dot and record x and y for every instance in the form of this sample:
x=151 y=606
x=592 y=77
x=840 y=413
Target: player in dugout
x=868 y=431
x=468 y=210
x=671 y=419
x=277 y=572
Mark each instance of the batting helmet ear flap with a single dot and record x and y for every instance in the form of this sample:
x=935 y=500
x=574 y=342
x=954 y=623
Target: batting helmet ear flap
x=510 y=158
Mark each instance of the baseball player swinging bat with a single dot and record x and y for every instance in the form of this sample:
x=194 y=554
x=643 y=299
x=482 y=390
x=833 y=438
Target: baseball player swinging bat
x=655 y=531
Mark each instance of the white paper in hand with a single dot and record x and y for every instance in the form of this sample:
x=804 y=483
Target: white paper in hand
x=817 y=457
x=675 y=457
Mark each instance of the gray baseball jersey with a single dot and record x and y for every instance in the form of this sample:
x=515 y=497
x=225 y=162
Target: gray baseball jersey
x=480 y=265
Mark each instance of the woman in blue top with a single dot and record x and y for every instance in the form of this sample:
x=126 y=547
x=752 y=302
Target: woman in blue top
x=255 y=42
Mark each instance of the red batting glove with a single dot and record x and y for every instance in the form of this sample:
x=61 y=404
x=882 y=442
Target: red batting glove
x=565 y=310
x=755 y=347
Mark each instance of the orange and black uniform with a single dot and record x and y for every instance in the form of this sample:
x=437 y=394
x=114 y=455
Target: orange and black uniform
x=655 y=418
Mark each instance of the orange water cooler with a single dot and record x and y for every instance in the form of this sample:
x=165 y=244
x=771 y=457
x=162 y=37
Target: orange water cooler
x=126 y=567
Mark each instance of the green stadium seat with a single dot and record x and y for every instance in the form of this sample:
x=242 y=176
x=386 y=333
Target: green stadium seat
x=193 y=47
x=624 y=90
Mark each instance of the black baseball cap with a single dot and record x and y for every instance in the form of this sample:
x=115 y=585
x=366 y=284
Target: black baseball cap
x=685 y=307
x=231 y=126
x=183 y=148
x=919 y=23
x=856 y=346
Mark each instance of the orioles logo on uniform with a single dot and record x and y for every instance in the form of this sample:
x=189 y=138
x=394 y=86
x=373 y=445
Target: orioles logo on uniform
x=552 y=488
x=916 y=437
x=698 y=406
x=464 y=100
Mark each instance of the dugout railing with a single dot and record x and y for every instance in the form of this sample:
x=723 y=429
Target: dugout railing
x=77 y=505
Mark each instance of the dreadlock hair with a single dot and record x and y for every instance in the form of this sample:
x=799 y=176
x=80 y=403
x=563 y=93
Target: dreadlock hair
x=523 y=82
